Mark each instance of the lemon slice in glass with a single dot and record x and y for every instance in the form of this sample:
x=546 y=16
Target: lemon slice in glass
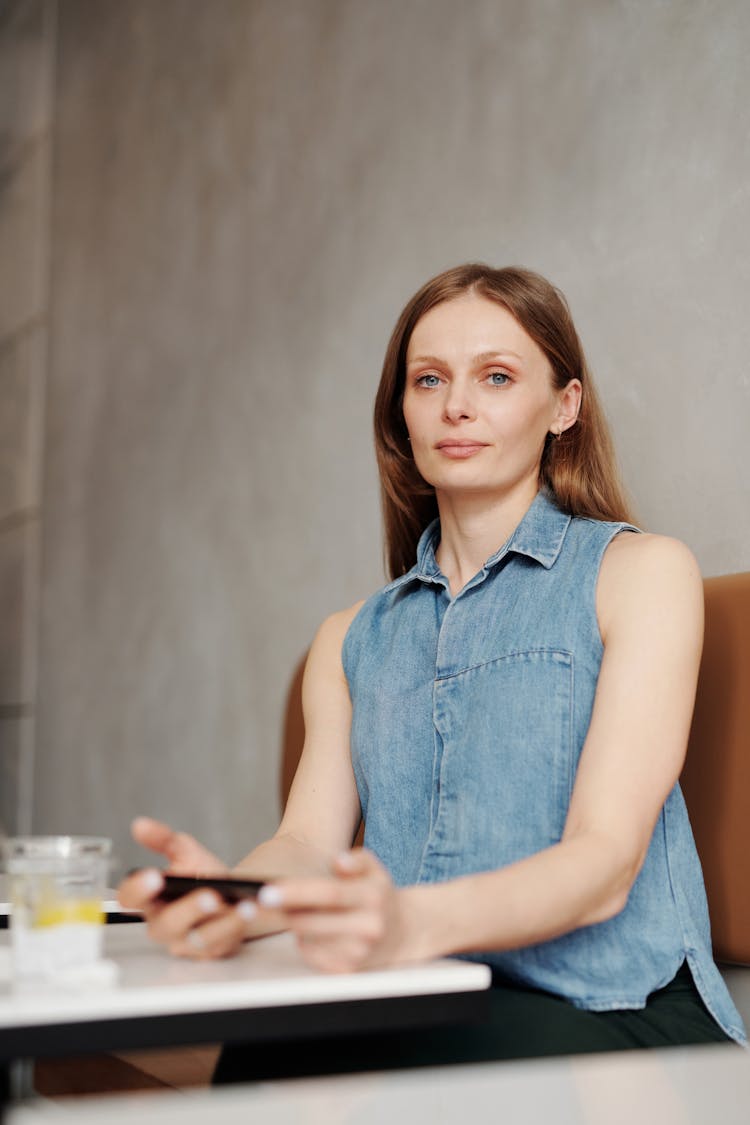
x=62 y=911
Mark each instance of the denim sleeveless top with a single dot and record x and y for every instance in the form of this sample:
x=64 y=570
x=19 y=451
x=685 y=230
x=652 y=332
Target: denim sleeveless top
x=469 y=716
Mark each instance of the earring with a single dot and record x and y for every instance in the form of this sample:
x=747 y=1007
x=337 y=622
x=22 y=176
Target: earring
x=557 y=435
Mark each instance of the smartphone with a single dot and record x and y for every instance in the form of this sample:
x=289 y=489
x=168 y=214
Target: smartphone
x=229 y=888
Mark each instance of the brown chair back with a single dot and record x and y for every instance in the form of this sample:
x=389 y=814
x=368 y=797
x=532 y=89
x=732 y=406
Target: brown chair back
x=716 y=777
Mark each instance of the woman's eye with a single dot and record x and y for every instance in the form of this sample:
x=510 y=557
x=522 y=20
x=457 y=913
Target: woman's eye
x=428 y=380
x=498 y=378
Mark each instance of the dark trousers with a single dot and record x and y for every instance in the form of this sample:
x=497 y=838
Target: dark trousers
x=523 y=1023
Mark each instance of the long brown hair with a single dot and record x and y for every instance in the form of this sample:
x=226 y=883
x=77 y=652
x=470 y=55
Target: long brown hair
x=578 y=469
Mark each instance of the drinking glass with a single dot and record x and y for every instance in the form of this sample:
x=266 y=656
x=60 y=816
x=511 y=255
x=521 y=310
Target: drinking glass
x=56 y=888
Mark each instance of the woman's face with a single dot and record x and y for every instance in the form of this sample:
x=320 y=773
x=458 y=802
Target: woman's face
x=479 y=399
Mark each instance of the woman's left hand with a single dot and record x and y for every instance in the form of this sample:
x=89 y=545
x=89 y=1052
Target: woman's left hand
x=349 y=921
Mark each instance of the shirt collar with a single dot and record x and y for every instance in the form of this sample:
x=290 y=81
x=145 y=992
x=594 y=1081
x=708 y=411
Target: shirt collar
x=539 y=536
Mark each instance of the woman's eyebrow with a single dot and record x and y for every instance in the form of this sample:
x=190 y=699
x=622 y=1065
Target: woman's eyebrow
x=423 y=359
x=482 y=357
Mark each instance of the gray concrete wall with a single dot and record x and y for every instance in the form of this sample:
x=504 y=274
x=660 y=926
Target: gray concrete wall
x=27 y=33
x=245 y=192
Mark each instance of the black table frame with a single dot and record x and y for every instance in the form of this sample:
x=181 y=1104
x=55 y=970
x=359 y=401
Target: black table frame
x=244 y=1025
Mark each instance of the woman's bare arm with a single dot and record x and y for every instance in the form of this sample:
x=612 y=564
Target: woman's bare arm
x=322 y=814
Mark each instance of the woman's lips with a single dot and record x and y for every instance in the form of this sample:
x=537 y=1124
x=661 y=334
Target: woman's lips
x=459 y=450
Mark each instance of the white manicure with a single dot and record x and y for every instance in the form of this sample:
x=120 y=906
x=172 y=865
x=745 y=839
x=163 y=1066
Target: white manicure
x=270 y=896
x=246 y=909
x=151 y=881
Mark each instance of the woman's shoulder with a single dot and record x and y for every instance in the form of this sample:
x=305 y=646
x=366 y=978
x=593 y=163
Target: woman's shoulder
x=325 y=655
x=647 y=552
x=648 y=575
x=334 y=628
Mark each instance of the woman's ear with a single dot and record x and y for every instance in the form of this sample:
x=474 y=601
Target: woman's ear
x=568 y=406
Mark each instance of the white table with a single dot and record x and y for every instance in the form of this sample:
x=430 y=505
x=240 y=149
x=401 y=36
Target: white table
x=265 y=993
x=687 y=1086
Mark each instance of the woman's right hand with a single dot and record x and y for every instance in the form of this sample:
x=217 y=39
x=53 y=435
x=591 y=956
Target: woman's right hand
x=199 y=925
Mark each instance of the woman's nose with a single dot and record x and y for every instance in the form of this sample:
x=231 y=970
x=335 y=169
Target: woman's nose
x=458 y=403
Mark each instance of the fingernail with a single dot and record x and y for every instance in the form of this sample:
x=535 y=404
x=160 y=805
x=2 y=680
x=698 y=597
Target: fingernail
x=151 y=880
x=207 y=903
x=246 y=909
x=270 y=896
x=346 y=860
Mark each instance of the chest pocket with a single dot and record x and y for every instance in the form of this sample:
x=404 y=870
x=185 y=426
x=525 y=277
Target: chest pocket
x=506 y=764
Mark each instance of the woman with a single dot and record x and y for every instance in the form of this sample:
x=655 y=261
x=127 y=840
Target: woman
x=509 y=715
